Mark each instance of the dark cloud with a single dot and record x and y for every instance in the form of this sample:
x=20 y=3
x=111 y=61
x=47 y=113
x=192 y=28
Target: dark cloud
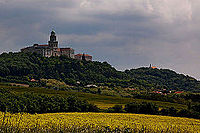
x=126 y=33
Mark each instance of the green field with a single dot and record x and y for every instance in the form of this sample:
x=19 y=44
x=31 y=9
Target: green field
x=101 y=101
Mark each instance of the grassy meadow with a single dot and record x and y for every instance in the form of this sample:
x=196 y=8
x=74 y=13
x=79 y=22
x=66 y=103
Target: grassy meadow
x=96 y=122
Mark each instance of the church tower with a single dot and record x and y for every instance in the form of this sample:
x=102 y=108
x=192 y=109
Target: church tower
x=83 y=57
x=53 y=43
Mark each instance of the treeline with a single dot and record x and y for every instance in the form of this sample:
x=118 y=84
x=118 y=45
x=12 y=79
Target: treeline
x=21 y=67
x=36 y=103
x=150 y=108
x=184 y=98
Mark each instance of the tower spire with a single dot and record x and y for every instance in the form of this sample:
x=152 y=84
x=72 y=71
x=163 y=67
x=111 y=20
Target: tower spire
x=53 y=42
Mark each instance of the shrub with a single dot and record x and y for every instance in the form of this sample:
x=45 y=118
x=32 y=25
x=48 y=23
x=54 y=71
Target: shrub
x=115 y=109
x=35 y=103
x=144 y=108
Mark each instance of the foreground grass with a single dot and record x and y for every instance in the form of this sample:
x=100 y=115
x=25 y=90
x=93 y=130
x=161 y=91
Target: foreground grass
x=101 y=101
x=96 y=122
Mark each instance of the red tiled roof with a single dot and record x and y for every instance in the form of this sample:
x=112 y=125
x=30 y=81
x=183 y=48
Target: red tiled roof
x=82 y=55
x=58 y=49
x=153 y=67
x=179 y=92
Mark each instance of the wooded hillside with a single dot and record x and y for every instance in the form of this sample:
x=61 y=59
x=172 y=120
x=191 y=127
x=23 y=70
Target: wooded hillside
x=21 y=67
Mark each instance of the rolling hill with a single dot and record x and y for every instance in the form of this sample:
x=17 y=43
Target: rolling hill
x=21 y=68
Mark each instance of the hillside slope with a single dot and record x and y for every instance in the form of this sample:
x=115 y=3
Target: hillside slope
x=20 y=67
x=164 y=78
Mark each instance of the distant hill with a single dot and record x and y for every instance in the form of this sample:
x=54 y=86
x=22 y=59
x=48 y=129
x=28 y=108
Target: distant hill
x=164 y=78
x=21 y=68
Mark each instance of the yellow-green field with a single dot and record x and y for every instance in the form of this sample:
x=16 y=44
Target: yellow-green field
x=96 y=122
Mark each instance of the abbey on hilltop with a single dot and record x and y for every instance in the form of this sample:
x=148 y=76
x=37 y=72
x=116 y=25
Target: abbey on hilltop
x=51 y=49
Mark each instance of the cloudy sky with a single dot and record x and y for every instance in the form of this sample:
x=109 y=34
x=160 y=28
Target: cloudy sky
x=125 y=33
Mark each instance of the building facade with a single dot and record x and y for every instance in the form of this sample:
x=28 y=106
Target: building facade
x=50 y=49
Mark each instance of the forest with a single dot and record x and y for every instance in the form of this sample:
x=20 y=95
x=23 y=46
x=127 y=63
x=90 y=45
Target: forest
x=22 y=67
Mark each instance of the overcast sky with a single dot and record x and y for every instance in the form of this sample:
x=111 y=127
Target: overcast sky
x=125 y=33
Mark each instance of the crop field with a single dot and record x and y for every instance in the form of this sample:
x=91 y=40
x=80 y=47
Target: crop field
x=96 y=122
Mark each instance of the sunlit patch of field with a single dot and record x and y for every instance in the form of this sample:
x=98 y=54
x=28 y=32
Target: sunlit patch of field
x=105 y=105
x=96 y=122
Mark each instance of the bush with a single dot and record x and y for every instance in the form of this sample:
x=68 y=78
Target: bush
x=196 y=107
x=172 y=111
x=164 y=112
x=115 y=109
x=132 y=108
x=184 y=113
x=35 y=103
x=142 y=108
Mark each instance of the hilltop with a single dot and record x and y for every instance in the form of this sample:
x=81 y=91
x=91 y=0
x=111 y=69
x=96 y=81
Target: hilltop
x=22 y=67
